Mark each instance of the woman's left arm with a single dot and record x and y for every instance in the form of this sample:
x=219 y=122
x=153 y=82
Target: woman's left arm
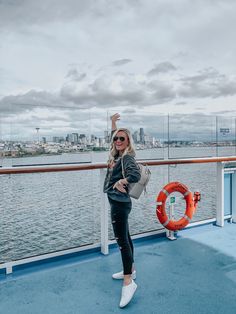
x=131 y=170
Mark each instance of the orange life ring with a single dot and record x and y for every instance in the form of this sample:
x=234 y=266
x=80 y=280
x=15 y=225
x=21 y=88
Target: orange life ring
x=191 y=203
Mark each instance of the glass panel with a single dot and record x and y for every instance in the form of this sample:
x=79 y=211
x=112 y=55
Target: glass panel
x=43 y=136
x=148 y=131
x=2 y=145
x=228 y=193
x=198 y=178
x=5 y=135
x=46 y=212
x=192 y=136
x=226 y=136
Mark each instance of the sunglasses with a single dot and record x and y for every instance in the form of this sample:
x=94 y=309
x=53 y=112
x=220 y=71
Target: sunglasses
x=121 y=138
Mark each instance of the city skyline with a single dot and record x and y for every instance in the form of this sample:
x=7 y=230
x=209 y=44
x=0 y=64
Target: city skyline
x=180 y=127
x=81 y=142
x=139 y=136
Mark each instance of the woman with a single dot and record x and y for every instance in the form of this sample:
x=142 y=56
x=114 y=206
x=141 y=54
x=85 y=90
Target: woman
x=116 y=186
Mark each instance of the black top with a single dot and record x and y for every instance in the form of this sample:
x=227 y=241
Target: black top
x=132 y=174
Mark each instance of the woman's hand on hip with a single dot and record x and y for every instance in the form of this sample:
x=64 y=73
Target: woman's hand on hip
x=120 y=185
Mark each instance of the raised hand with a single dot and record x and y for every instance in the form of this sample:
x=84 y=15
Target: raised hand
x=115 y=117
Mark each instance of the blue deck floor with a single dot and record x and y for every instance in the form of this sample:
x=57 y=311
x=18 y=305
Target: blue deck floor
x=195 y=274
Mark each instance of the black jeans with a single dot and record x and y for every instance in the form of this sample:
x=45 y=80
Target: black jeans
x=119 y=218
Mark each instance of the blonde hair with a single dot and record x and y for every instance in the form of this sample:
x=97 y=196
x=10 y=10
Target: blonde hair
x=130 y=149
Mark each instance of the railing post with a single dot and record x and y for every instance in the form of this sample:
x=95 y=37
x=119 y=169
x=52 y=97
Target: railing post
x=234 y=197
x=104 y=216
x=220 y=195
x=8 y=268
x=169 y=233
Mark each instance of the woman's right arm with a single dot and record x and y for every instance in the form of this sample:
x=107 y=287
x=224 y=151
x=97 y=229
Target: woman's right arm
x=114 y=118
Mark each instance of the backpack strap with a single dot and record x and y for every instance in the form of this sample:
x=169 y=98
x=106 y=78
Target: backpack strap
x=122 y=167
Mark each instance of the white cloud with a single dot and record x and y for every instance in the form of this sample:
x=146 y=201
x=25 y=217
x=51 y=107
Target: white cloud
x=208 y=83
x=172 y=56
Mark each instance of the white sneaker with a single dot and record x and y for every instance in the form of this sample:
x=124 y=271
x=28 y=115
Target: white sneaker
x=127 y=293
x=120 y=275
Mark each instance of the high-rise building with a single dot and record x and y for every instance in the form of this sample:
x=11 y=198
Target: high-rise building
x=136 y=137
x=75 y=137
x=82 y=139
x=142 y=136
x=69 y=138
x=107 y=136
x=93 y=138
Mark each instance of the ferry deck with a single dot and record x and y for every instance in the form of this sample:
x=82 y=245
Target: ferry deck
x=194 y=274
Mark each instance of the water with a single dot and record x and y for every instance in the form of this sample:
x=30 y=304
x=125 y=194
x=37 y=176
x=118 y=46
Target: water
x=47 y=212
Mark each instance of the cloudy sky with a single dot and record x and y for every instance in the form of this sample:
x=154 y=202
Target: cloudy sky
x=67 y=65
